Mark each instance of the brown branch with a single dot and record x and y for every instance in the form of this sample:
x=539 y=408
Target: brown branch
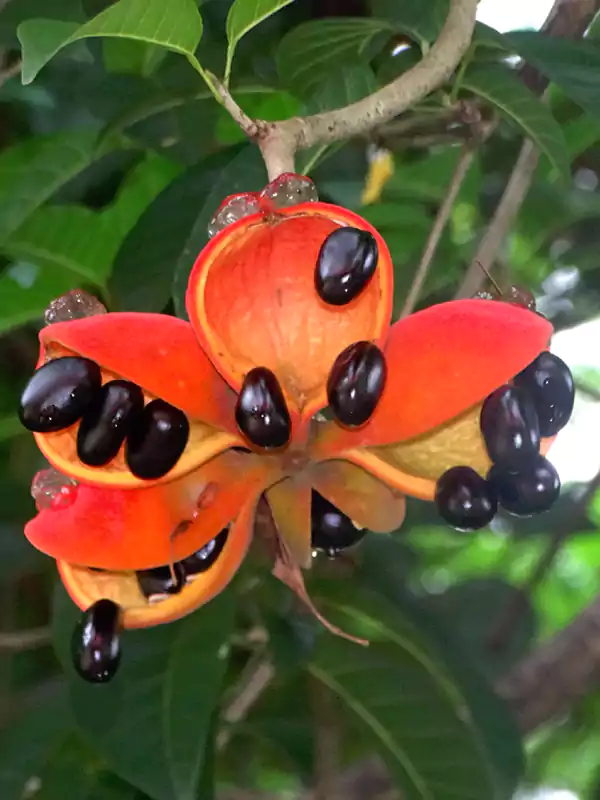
x=10 y=72
x=567 y=18
x=252 y=685
x=504 y=216
x=18 y=641
x=279 y=141
x=443 y=215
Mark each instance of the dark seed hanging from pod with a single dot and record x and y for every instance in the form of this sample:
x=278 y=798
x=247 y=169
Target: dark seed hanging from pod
x=59 y=393
x=533 y=490
x=107 y=422
x=550 y=384
x=161 y=580
x=203 y=559
x=95 y=646
x=510 y=427
x=465 y=499
x=331 y=531
x=261 y=411
x=346 y=263
x=156 y=440
x=356 y=383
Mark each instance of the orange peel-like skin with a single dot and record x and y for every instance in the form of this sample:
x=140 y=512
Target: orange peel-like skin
x=252 y=302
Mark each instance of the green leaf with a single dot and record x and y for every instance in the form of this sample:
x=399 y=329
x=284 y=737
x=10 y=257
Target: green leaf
x=85 y=242
x=243 y=172
x=30 y=741
x=176 y=25
x=26 y=290
x=33 y=170
x=502 y=89
x=243 y=16
x=343 y=87
x=408 y=698
x=128 y=56
x=152 y=722
x=306 y=53
x=473 y=610
x=421 y=21
x=572 y=65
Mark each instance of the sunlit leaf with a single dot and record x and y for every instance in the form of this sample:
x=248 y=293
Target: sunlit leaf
x=176 y=25
x=33 y=170
x=503 y=90
x=245 y=15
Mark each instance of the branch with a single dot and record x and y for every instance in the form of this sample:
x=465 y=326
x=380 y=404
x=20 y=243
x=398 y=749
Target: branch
x=10 y=72
x=433 y=240
x=279 y=141
x=250 y=689
x=568 y=18
x=18 y=641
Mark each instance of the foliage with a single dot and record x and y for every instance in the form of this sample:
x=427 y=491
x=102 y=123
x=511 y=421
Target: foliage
x=114 y=156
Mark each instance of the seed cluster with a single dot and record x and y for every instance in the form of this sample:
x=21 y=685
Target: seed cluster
x=69 y=389
x=513 y=420
x=95 y=646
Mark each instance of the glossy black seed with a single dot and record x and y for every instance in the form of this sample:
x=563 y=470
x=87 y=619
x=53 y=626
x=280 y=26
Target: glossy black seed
x=203 y=559
x=106 y=423
x=59 y=393
x=510 y=427
x=157 y=438
x=550 y=385
x=346 y=263
x=465 y=499
x=356 y=383
x=331 y=530
x=261 y=411
x=160 y=580
x=531 y=491
x=95 y=646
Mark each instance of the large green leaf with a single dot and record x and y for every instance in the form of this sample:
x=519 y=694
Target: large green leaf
x=306 y=53
x=33 y=170
x=572 y=65
x=176 y=25
x=342 y=87
x=408 y=697
x=502 y=89
x=83 y=242
x=152 y=722
x=30 y=741
x=26 y=290
x=242 y=172
x=243 y=16
x=421 y=21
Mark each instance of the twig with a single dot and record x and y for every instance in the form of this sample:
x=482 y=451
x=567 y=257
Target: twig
x=433 y=240
x=512 y=612
x=248 y=692
x=279 y=141
x=10 y=72
x=504 y=216
x=326 y=742
x=18 y=641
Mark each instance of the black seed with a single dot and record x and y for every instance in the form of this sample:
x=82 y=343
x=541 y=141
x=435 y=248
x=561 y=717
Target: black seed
x=59 y=393
x=261 y=412
x=203 y=559
x=345 y=265
x=331 y=530
x=156 y=440
x=95 y=646
x=510 y=427
x=550 y=385
x=106 y=423
x=356 y=383
x=531 y=491
x=160 y=580
x=465 y=499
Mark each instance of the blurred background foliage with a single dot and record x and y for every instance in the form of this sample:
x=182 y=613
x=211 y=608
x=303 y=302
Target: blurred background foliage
x=112 y=162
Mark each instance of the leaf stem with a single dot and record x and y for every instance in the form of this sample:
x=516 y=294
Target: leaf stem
x=208 y=78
